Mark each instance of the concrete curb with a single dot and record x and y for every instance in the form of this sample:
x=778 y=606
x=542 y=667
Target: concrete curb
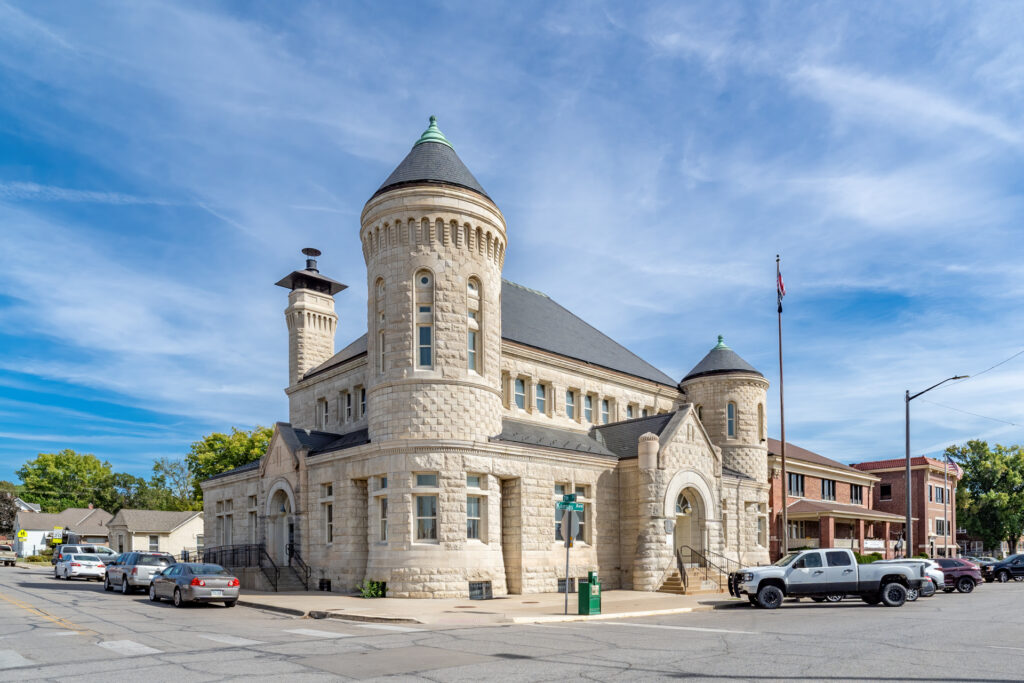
x=554 y=618
x=273 y=608
x=320 y=614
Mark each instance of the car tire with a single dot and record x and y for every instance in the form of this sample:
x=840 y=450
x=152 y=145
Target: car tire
x=965 y=584
x=1003 y=576
x=152 y=593
x=1016 y=578
x=872 y=599
x=834 y=597
x=178 y=602
x=894 y=594
x=769 y=597
x=230 y=603
x=125 y=589
x=948 y=590
x=56 y=574
x=106 y=584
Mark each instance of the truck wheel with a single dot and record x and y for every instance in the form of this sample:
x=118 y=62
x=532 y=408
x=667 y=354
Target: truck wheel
x=769 y=597
x=872 y=599
x=965 y=584
x=1004 y=576
x=752 y=599
x=894 y=594
x=834 y=597
x=913 y=594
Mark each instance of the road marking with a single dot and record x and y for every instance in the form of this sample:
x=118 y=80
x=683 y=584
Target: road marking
x=387 y=627
x=684 y=628
x=1003 y=647
x=318 y=634
x=53 y=634
x=63 y=623
x=128 y=648
x=229 y=640
x=10 y=659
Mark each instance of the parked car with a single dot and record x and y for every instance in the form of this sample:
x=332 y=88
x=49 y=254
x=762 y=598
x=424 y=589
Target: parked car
x=187 y=582
x=961 y=575
x=1010 y=568
x=106 y=554
x=931 y=570
x=79 y=566
x=981 y=560
x=135 y=570
x=820 y=573
x=7 y=556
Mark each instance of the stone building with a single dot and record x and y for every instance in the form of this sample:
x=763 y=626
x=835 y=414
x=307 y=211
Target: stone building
x=430 y=452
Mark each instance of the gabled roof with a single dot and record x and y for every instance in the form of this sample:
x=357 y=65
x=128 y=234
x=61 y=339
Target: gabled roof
x=27 y=506
x=152 y=521
x=721 y=360
x=79 y=520
x=533 y=319
x=432 y=160
x=531 y=434
x=797 y=453
x=623 y=437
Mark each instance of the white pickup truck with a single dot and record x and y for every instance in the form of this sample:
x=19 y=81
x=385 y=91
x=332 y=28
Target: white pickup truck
x=821 y=573
x=7 y=556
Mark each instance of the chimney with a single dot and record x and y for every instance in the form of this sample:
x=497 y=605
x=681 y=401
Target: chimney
x=311 y=255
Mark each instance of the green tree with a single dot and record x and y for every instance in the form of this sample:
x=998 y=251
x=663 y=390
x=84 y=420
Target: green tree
x=990 y=496
x=175 y=478
x=8 y=487
x=66 y=479
x=7 y=512
x=217 y=452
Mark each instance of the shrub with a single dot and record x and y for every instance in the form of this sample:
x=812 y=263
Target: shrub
x=923 y=556
x=47 y=552
x=36 y=558
x=867 y=559
x=372 y=589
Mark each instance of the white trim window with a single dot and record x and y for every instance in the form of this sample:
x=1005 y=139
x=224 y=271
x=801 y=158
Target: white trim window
x=570 y=404
x=381 y=320
x=348 y=406
x=730 y=420
x=519 y=393
x=474 y=517
x=856 y=494
x=541 y=398
x=474 y=320
x=424 y=316
x=426 y=518
x=154 y=543
x=828 y=489
x=327 y=511
x=604 y=411
x=362 y=402
x=383 y=517
x=796 y=485
x=588 y=408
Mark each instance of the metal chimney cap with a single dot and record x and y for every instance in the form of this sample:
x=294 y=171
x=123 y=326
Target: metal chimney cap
x=311 y=252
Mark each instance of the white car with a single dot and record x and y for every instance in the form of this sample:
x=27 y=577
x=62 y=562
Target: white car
x=76 y=566
x=931 y=570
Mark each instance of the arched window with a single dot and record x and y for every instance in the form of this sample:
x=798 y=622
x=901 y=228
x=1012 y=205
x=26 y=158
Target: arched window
x=760 y=421
x=683 y=506
x=474 y=322
x=424 y=311
x=730 y=420
x=380 y=308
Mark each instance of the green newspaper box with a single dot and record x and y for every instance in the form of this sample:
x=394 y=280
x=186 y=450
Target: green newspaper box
x=590 y=595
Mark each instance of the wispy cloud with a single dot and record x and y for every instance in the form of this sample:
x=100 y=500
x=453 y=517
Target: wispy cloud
x=46 y=193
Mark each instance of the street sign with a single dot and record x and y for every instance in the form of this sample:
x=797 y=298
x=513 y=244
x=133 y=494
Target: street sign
x=58 y=535
x=570 y=523
x=22 y=535
x=569 y=498
x=577 y=507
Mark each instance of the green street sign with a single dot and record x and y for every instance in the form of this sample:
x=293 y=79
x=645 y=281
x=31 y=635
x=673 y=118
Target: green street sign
x=578 y=507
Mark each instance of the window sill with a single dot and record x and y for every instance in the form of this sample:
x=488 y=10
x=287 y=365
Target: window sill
x=426 y=542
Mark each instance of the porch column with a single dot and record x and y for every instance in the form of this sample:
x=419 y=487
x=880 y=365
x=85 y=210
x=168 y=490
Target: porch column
x=827 y=531
x=860 y=535
x=888 y=554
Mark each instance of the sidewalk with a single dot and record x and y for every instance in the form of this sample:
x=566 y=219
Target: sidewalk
x=516 y=609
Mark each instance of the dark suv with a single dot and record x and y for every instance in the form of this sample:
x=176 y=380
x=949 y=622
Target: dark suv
x=960 y=575
x=1010 y=568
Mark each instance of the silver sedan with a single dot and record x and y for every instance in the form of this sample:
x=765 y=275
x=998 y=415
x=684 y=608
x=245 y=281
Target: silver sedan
x=194 y=582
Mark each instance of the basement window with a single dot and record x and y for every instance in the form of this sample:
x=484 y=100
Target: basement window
x=480 y=590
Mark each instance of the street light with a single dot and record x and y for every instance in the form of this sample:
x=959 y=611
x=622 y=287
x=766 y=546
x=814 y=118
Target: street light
x=908 y=552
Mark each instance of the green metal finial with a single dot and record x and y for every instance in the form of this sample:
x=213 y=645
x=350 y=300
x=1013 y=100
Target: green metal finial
x=721 y=343
x=433 y=134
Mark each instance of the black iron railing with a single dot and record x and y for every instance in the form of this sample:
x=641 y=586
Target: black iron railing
x=246 y=555
x=298 y=565
x=710 y=565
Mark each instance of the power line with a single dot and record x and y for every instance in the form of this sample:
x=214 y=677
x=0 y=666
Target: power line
x=967 y=412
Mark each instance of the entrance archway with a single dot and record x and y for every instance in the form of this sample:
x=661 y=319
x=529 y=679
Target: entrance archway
x=280 y=528
x=690 y=526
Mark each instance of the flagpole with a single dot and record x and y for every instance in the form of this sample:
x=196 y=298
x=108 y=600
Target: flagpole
x=782 y=419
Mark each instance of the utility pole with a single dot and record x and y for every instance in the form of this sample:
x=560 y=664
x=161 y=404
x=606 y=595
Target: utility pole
x=781 y=291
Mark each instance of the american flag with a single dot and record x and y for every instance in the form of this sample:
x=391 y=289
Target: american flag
x=780 y=287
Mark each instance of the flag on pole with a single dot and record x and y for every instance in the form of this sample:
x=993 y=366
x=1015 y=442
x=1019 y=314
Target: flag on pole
x=780 y=287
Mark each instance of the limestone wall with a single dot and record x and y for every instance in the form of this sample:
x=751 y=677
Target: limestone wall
x=312 y=323
x=747 y=450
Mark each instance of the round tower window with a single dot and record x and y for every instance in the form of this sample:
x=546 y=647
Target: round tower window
x=424 y=280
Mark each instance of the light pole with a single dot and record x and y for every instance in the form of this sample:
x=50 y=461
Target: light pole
x=945 y=504
x=908 y=552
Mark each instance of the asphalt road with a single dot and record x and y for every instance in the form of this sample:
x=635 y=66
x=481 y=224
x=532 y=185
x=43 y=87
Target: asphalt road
x=55 y=630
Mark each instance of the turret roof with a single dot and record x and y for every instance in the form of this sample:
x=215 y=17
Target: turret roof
x=721 y=360
x=432 y=160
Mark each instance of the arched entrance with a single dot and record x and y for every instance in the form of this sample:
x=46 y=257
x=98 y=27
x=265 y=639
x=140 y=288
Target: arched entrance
x=691 y=525
x=280 y=529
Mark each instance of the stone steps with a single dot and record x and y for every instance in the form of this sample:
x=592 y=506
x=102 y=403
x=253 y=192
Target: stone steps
x=697 y=584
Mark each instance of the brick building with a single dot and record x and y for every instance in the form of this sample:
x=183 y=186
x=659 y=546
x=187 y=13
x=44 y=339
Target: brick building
x=829 y=505
x=933 y=498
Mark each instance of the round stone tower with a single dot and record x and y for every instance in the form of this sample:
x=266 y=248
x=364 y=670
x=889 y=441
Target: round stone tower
x=730 y=398
x=434 y=244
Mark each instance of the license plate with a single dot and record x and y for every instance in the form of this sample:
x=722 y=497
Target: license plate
x=216 y=593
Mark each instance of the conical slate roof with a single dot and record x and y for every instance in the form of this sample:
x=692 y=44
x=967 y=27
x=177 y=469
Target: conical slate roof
x=432 y=160
x=721 y=360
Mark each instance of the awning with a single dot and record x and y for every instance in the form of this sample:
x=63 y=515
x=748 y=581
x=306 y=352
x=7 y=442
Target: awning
x=811 y=509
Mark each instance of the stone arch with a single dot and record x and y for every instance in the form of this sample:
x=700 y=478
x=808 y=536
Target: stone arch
x=280 y=528
x=689 y=479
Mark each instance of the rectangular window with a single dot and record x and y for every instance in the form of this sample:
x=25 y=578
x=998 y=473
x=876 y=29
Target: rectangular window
x=828 y=489
x=426 y=480
x=380 y=353
x=541 y=402
x=426 y=518
x=480 y=590
x=348 y=407
x=383 y=482
x=154 y=543
x=473 y=507
x=588 y=408
x=424 y=309
x=582 y=515
x=570 y=405
x=796 y=485
x=471 y=342
x=643 y=413
x=252 y=501
x=362 y=402
x=604 y=411
x=731 y=419
x=560 y=490
x=558 y=525
x=931 y=495
x=323 y=413
x=885 y=492
x=798 y=529
x=856 y=494
x=629 y=412
x=520 y=393
x=329 y=523
x=581 y=492
x=326 y=490
x=762 y=529
x=425 y=348
x=229 y=524
x=252 y=527
x=384 y=519
x=473 y=481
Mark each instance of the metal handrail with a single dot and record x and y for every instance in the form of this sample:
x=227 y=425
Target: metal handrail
x=244 y=555
x=296 y=558
x=706 y=564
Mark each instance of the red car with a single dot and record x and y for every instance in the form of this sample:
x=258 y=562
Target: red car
x=961 y=575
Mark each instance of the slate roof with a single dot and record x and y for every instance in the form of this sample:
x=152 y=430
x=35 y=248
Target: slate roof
x=154 y=521
x=797 y=453
x=80 y=520
x=533 y=319
x=431 y=163
x=735 y=473
x=826 y=507
x=350 y=440
x=621 y=437
x=721 y=360
x=241 y=468
x=528 y=433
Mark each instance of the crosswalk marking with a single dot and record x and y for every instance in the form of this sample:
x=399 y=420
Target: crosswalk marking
x=318 y=634
x=10 y=659
x=128 y=648
x=386 y=627
x=683 y=628
x=54 y=634
x=229 y=640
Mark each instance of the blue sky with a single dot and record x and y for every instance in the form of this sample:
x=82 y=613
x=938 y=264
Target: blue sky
x=162 y=163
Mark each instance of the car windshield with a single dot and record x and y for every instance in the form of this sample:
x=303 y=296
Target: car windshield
x=85 y=558
x=786 y=560
x=5 y=547
x=154 y=560
x=208 y=569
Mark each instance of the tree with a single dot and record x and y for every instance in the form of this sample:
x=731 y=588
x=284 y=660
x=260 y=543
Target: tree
x=8 y=510
x=66 y=479
x=174 y=477
x=8 y=487
x=217 y=452
x=990 y=496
